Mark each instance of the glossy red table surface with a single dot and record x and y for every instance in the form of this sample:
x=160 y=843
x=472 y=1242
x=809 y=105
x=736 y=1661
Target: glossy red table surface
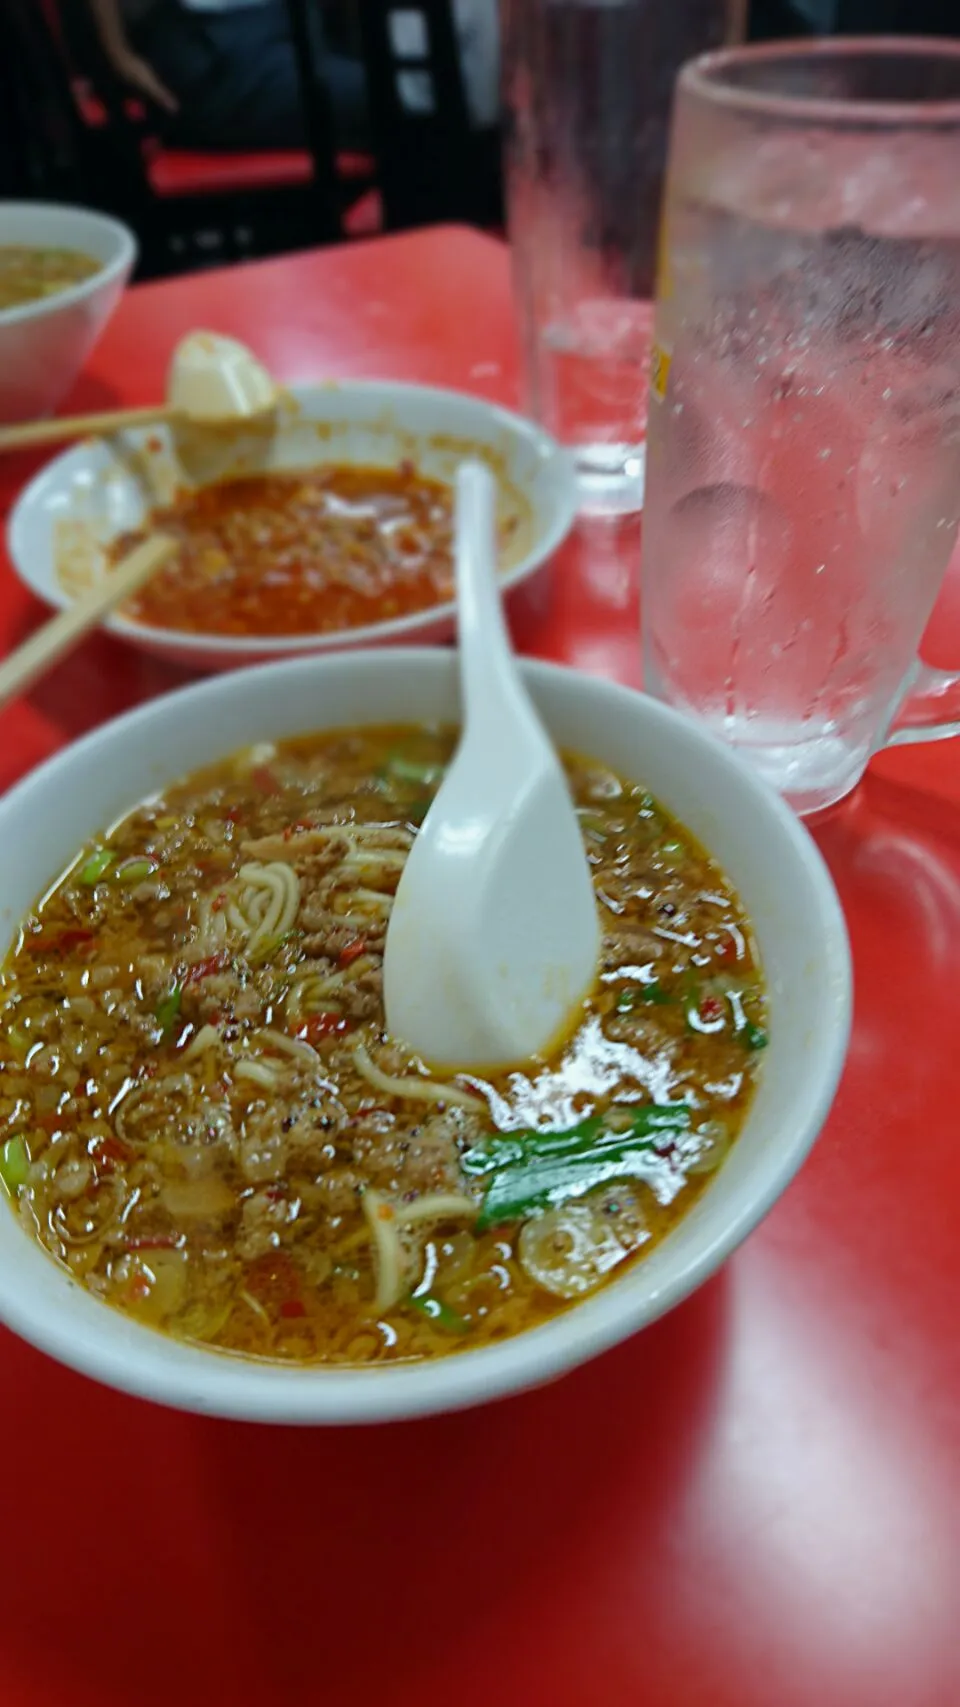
x=754 y=1504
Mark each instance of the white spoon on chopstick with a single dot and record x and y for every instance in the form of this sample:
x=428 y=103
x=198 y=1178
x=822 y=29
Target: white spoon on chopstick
x=63 y=632
x=212 y=382
x=494 y=937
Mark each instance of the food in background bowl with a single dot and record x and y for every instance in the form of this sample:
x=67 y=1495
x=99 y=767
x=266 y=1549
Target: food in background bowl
x=209 y=1127
x=65 y=525
x=45 y=340
x=27 y=275
x=766 y=854
x=303 y=551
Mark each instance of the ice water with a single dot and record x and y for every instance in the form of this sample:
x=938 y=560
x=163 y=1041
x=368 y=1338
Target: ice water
x=804 y=468
x=593 y=366
x=588 y=86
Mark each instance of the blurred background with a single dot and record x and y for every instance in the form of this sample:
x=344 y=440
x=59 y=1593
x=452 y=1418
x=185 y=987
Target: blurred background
x=226 y=131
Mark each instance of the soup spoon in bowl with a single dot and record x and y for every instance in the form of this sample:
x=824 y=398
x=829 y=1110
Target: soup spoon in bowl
x=212 y=381
x=494 y=937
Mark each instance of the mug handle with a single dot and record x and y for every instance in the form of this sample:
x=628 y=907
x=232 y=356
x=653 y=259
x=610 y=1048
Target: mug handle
x=928 y=709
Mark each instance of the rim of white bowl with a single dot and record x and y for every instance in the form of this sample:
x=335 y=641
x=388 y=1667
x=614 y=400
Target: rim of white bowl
x=216 y=1383
x=106 y=273
x=264 y=646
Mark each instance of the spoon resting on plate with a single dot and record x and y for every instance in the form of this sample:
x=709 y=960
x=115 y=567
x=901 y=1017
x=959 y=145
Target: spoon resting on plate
x=494 y=937
x=212 y=381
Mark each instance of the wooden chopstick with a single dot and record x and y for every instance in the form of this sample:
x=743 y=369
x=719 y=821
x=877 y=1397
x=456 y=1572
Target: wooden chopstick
x=80 y=426
x=64 y=631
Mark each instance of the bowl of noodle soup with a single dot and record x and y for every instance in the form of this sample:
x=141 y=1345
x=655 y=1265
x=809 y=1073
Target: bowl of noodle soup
x=47 y=331
x=274 y=1212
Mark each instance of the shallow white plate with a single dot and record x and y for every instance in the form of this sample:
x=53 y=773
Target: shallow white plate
x=64 y=519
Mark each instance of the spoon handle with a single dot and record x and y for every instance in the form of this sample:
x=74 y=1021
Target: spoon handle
x=487 y=663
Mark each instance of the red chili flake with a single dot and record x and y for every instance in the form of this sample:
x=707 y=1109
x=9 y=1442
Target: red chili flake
x=219 y=902
x=274 y=1194
x=293 y=1307
x=204 y=968
x=109 y=1152
x=322 y=1025
x=352 y=951
x=726 y=950
x=711 y=1008
x=60 y=943
x=50 y=1123
x=156 y=1242
x=234 y=814
x=264 y=779
x=273 y=1278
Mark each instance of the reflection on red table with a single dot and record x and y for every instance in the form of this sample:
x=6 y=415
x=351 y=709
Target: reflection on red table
x=756 y=1503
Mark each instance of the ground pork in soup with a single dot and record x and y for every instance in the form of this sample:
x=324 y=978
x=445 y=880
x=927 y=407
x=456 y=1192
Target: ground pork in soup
x=203 y=1118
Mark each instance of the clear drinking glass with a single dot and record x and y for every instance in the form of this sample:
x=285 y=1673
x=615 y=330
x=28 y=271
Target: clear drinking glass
x=803 y=473
x=587 y=90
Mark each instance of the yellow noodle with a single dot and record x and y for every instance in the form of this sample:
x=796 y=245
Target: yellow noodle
x=294 y=1046
x=381 y=859
x=207 y=1038
x=374 y=898
x=436 y=1206
x=412 y=1087
x=274 y=897
x=388 y=1251
x=258 y=1073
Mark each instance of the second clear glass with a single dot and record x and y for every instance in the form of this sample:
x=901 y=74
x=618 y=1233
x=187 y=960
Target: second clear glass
x=588 y=86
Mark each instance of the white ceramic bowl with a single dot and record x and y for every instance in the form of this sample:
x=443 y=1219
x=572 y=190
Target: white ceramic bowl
x=65 y=517
x=763 y=848
x=43 y=345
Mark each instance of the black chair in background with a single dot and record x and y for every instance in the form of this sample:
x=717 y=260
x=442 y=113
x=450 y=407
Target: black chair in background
x=45 y=152
x=433 y=166
x=192 y=209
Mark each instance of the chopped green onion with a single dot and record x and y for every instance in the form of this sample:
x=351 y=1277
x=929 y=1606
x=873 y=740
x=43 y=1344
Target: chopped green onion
x=168 y=1010
x=653 y=992
x=135 y=871
x=94 y=868
x=439 y=1312
x=753 y=1036
x=529 y=1170
x=14 y=1163
x=424 y=773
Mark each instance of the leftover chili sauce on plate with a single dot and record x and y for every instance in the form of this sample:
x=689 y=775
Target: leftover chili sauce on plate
x=301 y=551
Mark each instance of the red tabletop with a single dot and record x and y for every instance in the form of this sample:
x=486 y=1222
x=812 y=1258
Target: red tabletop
x=756 y=1503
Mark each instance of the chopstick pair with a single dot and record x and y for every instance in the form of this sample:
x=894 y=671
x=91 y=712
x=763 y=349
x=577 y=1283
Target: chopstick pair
x=63 y=631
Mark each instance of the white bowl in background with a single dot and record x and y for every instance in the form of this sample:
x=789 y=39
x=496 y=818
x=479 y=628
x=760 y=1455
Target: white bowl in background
x=44 y=344
x=763 y=848
x=62 y=521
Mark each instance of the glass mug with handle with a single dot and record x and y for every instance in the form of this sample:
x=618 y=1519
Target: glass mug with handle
x=803 y=478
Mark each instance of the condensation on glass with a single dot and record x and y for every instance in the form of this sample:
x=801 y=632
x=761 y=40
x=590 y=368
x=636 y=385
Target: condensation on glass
x=588 y=87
